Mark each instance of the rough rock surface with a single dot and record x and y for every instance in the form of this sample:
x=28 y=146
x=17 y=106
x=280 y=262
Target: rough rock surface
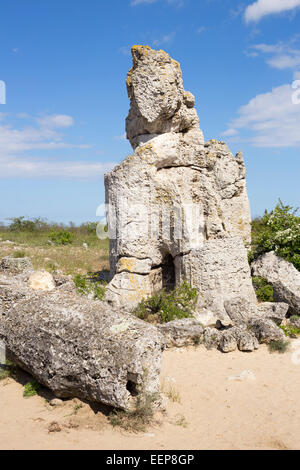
x=275 y=311
x=41 y=280
x=211 y=338
x=284 y=278
x=240 y=310
x=16 y=265
x=238 y=337
x=265 y=330
x=179 y=333
x=175 y=198
x=78 y=347
x=219 y=271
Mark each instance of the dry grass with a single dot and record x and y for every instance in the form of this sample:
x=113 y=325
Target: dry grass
x=70 y=259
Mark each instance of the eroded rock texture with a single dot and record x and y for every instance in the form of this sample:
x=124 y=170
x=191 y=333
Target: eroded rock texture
x=177 y=207
x=79 y=347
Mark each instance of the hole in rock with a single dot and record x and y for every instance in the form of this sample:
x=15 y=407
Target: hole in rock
x=168 y=273
x=132 y=389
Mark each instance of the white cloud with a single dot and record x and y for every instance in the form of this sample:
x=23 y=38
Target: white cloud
x=257 y=10
x=230 y=132
x=272 y=119
x=16 y=143
x=166 y=39
x=56 y=121
x=281 y=56
x=201 y=29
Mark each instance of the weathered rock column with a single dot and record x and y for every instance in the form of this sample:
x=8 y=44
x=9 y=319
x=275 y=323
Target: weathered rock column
x=177 y=204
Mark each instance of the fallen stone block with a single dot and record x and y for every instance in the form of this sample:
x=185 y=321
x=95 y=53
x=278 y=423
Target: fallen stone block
x=82 y=348
x=283 y=276
x=179 y=333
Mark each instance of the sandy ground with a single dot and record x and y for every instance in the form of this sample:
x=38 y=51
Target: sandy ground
x=214 y=412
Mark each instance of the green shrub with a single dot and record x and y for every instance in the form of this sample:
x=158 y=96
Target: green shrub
x=61 y=237
x=279 y=231
x=290 y=331
x=166 y=306
x=264 y=291
x=31 y=389
x=87 y=286
x=7 y=370
x=20 y=224
x=279 y=346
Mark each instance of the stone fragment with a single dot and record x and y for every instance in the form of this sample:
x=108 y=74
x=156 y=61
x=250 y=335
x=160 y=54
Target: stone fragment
x=41 y=280
x=275 y=311
x=179 y=333
x=283 y=276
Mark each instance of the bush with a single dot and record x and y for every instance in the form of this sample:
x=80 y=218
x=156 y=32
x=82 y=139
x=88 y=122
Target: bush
x=168 y=306
x=31 y=389
x=279 y=231
x=20 y=224
x=264 y=291
x=279 y=346
x=139 y=418
x=61 y=237
x=87 y=286
x=290 y=331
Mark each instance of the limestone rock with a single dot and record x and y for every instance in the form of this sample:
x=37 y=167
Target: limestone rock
x=16 y=265
x=176 y=201
x=81 y=348
x=228 y=342
x=158 y=101
x=240 y=310
x=238 y=337
x=295 y=321
x=284 y=278
x=220 y=271
x=275 y=311
x=41 y=280
x=211 y=338
x=265 y=330
x=180 y=333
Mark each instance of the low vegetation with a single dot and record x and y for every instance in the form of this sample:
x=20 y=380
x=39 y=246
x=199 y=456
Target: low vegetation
x=51 y=246
x=264 y=291
x=139 y=418
x=290 y=331
x=279 y=346
x=165 y=306
x=31 y=389
x=7 y=370
x=279 y=231
x=90 y=287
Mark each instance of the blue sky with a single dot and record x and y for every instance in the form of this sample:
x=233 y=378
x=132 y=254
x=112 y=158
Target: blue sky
x=65 y=63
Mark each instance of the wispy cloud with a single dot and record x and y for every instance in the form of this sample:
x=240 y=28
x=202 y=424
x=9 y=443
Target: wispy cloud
x=273 y=119
x=279 y=56
x=166 y=39
x=15 y=143
x=261 y=8
x=201 y=30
